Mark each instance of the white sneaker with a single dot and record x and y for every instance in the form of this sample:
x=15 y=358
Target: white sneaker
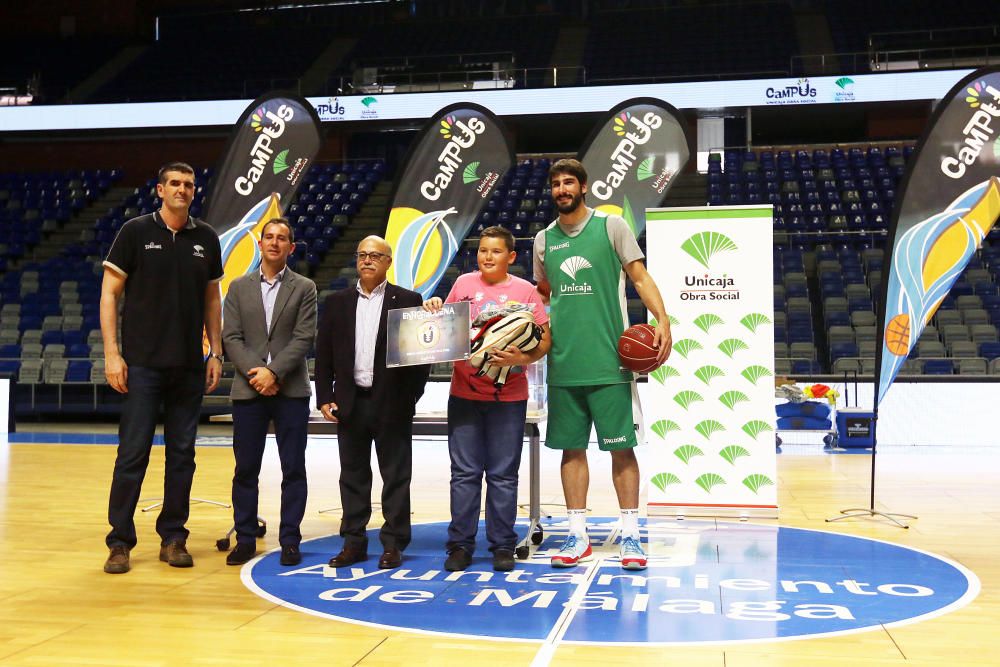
x=633 y=557
x=574 y=550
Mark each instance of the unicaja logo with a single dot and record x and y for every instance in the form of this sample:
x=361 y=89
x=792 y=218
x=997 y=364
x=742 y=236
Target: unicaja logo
x=572 y=265
x=459 y=135
x=469 y=175
x=845 y=89
x=704 y=245
x=280 y=162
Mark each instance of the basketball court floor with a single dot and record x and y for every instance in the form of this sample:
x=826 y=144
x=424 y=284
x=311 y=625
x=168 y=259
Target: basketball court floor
x=794 y=591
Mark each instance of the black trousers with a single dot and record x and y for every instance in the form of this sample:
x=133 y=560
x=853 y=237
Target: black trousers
x=179 y=392
x=291 y=422
x=393 y=447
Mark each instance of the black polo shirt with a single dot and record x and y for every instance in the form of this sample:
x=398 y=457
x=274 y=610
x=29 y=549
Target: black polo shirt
x=166 y=275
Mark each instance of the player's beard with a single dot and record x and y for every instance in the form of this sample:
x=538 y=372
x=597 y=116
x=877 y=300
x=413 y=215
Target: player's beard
x=571 y=206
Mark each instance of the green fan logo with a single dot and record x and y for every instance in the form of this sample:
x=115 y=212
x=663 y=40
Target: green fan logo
x=754 y=320
x=280 y=162
x=733 y=452
x=707 y=373
x=731 y=346
x=686 y=346
x=755 y=372
x=708 y=427
x=686 y=398
x=707 y=321
x=705 y=245
x=755 y=427
x=731 y=398
x=845 y=89
x=664 y=479
x=756 y=481
x=645 y=169
x=368 y=101
x=663 y=426
x=663 y=372
x=709 y=480
x=687 y=452
x=469 y=174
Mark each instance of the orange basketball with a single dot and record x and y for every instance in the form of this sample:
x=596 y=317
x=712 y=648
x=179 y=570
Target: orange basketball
x=897 y=335
x=635 y=349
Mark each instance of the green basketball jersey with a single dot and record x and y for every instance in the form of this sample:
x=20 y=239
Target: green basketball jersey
x=587 y=312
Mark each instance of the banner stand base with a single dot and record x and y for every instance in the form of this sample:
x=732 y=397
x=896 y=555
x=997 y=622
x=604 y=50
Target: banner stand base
x=870 y=513
x=681 y=512
x=159 y=501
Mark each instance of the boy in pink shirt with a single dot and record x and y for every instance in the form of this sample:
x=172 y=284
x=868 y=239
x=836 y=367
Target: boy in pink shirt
x=486 y=422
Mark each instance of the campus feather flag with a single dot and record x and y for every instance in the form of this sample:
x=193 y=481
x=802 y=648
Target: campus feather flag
x=950 y=201
x=632 y=157
x=270 y=150
x=450 y=172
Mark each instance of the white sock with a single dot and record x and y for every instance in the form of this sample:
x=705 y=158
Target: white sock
x=578 y=523
x=630 y=523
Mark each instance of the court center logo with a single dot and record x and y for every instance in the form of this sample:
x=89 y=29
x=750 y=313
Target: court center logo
x=707 y=582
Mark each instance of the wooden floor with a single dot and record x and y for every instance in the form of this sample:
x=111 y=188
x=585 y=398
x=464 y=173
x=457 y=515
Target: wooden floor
x=58 y=608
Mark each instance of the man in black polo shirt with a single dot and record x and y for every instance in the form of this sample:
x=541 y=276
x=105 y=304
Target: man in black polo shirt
x=167 y=264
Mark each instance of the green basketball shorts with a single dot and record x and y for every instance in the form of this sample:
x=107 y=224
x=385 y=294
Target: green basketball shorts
x=612 y=409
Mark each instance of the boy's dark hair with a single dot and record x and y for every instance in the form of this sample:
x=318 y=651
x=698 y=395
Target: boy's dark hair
x=498 y=232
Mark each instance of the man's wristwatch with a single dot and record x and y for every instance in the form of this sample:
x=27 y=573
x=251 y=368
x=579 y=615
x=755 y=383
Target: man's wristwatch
x=214 y=355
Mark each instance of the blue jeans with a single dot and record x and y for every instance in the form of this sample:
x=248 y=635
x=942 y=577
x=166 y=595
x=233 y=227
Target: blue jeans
x=250 y=420
x=179 y=391
x=484 y=438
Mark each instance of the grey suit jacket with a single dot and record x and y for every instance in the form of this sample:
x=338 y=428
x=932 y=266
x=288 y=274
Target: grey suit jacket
x=293 y=331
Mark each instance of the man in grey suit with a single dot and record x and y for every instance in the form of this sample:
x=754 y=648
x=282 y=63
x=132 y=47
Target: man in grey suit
x=269 y=325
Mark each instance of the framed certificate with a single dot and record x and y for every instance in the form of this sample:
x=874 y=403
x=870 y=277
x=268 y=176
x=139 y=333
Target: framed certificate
x=418 y=337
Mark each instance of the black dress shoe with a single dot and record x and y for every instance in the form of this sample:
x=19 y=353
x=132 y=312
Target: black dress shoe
x=349 y=556
x=390 y=558
x=243 y=553
x=458 y=559
x=290 y=555
x=503 y=560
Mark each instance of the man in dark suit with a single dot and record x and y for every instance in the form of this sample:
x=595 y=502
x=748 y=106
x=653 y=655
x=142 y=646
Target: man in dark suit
x=370 y=403
x=269 y=327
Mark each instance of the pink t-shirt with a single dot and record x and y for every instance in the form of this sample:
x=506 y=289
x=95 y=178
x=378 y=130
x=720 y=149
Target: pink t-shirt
x=484 y=297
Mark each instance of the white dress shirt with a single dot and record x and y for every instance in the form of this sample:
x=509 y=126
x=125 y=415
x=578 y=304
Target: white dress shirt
x=269 y=294
x=367 y=318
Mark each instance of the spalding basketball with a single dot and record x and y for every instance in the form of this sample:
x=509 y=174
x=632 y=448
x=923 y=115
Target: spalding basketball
x=635 y=349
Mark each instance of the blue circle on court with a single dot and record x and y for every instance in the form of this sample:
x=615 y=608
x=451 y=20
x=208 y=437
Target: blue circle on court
x=707 y=582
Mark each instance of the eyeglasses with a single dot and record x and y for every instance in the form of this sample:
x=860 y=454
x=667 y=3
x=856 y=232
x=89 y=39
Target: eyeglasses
x=373 y=256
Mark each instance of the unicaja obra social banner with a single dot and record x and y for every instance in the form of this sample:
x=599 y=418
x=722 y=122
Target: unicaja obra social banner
x=272 y=146
x=455 y=164
x=633 y=156
x=949 y=202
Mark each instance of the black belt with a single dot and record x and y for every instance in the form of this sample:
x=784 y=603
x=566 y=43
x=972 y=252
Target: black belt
x=364 y=391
